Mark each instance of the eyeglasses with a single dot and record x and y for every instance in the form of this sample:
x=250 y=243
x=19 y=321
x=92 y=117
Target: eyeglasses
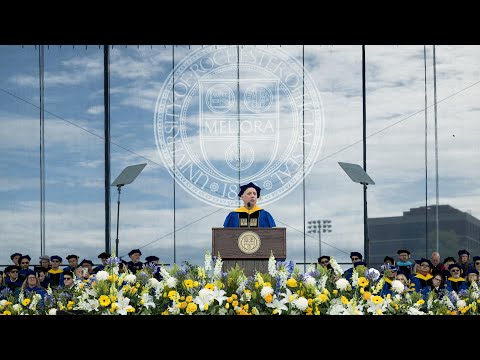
x=454 y=270
x=355 y=259
x=425 y=265
x=477 y=263
x=67 y=278
x=437 y=279
x=323 y=262
x=55 y=260
x=24 y=263
x=13 y=270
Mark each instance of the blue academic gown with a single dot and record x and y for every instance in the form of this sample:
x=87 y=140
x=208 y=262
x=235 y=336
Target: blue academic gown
x=265 y=220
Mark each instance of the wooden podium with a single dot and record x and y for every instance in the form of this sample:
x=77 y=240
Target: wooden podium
x=249 y=247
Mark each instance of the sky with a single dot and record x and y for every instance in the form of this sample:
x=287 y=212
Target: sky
x=174 y=220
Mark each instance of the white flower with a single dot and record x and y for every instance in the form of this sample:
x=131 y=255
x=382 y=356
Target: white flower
x=278 y=304
x=152 y=282
x=309 y=280
x=172 y=282
x=208 y=261
x=102 y=275
x=272 y=268
x=3 y=302
x=301 y=303
x=414 y=311
x=17 y=308
x=461 y=304
x=336 y=268
x=130 y=278
x=204 y=297
x=341 y=284
x=52 y=311
x=217 y=271
x=398 y=286
x=219 y=295
x=266 y=290
x=289 y=296
x=311 y=268
x=122 y=304
x=147 y=300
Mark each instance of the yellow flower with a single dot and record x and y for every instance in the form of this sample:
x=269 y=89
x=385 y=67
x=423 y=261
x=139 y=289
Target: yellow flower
x=323 y=297
x=379 y=312
x=367 y=295
x=132 y=309
x=188 y=283
x=234 y=296
x=335 y=292
x=25 y=302
x=377 y=299
x=191 y=308
x=113 y=297
x=205 y=307
x=235 y=303
x=195 y=284
x=165 y=312
x=255 y=311
x=326 y=292
x=133 y=290
x=142 y=301
x=421 y=302
x=227 y=305
x=183 y=305
x=362 y=281
x=396 y=307
x=344 y=300
x=188 y=299
x=309 y=301
x=245 y=307
x=210 y=286
x=6 y=312
x=292 y=282
x=268 y=298
x=104 y=300
x=257 y=285
x=172 y=294
x=267 y=284
x=229 y=299
x=362 y=290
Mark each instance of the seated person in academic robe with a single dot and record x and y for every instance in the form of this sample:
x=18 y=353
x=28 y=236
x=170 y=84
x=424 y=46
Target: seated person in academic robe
x=423 y=276
x=455 y=282
x=249 y=215
x=135 y=264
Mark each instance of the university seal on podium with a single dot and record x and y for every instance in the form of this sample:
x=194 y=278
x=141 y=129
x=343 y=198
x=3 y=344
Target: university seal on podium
x=249 y=242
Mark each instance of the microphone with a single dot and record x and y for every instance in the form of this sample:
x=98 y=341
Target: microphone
x=248 y=213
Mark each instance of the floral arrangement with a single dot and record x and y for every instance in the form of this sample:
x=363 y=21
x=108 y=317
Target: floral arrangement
x=206 y=290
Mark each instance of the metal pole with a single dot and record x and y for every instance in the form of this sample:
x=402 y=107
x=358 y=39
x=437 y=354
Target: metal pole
x=320 y=243
x=118 y=217
x=106 y=122
x=366 y=242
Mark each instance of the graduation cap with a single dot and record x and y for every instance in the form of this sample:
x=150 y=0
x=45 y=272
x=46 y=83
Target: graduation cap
x=134 y=251
x=357 y=254
x=423 y=260
x=30 y=272
x=25 y=257
x=463 y=252
x=151 y=258
x=15 y=254
x=104 y=255
x=55 y=257
x=388 y=258
x=452 y=266
x=403 y=252
x=85 y=261
x=11 y=267
x=323 y=257
x=72 y=257
x=475 y=258
x=450 y=258
x=249 y=185
x=44 y=257
x=472 y=271
x=68 y=272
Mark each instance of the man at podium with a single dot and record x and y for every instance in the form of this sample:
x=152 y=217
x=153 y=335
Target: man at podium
x=249 y=215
